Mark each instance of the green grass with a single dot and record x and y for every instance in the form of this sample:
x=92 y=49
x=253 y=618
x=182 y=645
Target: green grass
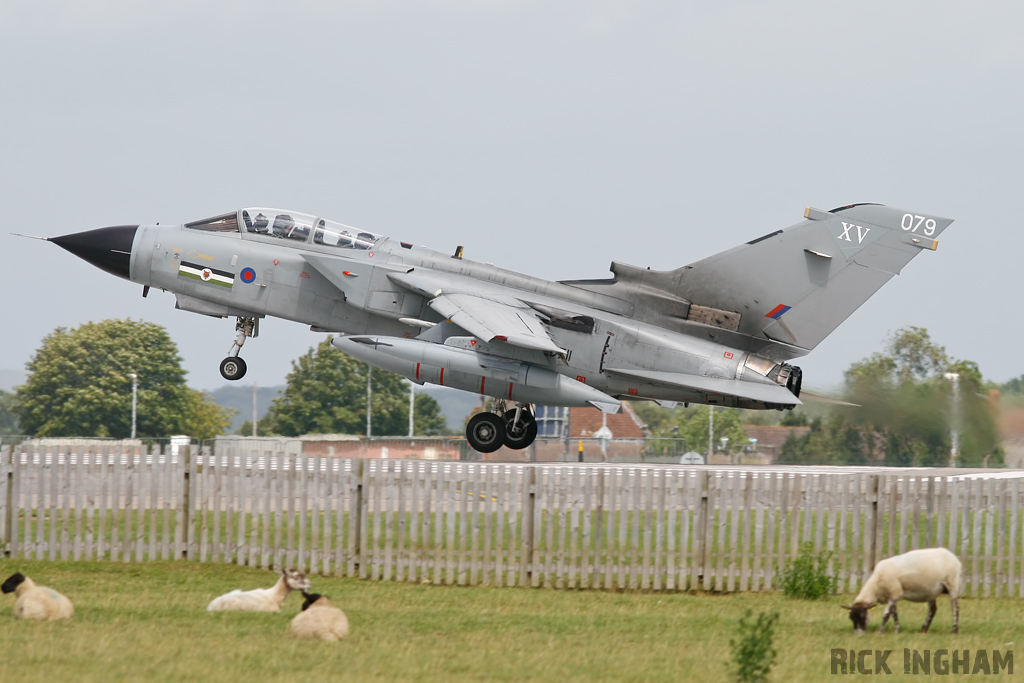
x=148 y=621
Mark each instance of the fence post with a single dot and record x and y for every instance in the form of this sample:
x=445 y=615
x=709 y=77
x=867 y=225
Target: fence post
x=356 y=523
x=704 y=530
x=6 y=462
x=186 y=495
x=876 y=523
x=529 y=501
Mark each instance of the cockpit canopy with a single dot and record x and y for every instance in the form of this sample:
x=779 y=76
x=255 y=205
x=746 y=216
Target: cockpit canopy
x=289 y=225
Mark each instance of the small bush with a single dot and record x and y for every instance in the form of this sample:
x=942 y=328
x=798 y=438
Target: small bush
x=753 y=655
x=807 y=576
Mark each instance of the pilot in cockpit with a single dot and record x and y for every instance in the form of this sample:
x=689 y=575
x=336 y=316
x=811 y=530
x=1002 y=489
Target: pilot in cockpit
x=259 y=224
x=283 y=225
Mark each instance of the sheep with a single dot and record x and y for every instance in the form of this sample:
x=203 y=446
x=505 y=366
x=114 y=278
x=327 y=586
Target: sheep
x=319 y=620
x=36 y=602
x=262 y=599
x=919 y=576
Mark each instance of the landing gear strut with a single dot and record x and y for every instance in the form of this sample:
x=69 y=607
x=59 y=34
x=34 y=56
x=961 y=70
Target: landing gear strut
x=520 y=427
x=514 y=428
x=233 y=368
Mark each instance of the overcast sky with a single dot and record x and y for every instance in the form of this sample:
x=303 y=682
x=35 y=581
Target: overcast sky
x=546 y=137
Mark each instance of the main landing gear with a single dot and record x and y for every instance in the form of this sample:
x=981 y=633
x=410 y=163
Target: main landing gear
x=515 y=428
x=233 y=368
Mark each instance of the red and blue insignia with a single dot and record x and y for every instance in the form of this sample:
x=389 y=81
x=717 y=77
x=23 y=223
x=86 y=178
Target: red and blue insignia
x=248 y=274
x=774 y=314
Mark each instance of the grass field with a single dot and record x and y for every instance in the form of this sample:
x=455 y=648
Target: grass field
x=148 y=621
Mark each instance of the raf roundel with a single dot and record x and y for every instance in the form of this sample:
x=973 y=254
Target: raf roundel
x=248 y=275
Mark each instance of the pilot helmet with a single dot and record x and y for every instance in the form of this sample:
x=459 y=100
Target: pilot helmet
x=282 y=225
x=259 y=223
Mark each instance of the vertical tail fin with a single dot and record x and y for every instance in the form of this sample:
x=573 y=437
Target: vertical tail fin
x=781 y=294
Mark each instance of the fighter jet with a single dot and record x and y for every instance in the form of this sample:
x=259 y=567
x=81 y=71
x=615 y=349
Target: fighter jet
x=719 y=331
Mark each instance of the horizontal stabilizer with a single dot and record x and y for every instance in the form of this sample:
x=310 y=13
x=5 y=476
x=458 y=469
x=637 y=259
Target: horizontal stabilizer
x=768 y=393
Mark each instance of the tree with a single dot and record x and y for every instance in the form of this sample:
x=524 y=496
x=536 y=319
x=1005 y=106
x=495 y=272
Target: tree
x=78 y=385
x=8 y=419
x=326 y=394
x=265 y=427
x=1014 y=386
x=205 y=418
x=904 y=412
x=692 y=424
x=906 y=401
x=832 y=442
x=427 y=418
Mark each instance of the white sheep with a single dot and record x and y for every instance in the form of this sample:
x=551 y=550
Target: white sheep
x=262 y=599
x=36 y=602
x=918 y=576
x=319 y=620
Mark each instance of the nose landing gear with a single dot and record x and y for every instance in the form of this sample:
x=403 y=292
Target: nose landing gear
x=233 y=368
x=514 y=428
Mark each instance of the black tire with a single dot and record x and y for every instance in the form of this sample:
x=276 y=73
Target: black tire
x=522 y=437
x=232 y=368
x=486 y=432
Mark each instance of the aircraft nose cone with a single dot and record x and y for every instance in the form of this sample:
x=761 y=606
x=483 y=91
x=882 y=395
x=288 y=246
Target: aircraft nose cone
x=107 y=248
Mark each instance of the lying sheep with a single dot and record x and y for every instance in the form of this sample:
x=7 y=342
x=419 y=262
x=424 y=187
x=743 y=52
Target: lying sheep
x=918 y=576
x=36 y=602
x=319 y=620
x=262 y=599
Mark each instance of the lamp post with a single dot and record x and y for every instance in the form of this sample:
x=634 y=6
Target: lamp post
x=412 y=404
x=711 y=431
x=369 y=401
x=954 y=429
x=135 y=398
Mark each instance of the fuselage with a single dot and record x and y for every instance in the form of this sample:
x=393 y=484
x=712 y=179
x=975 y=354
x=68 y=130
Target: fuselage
x=268 y=263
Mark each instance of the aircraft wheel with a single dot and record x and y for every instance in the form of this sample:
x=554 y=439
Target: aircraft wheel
x=486 y=432
x=232 y=368
x=522 y=435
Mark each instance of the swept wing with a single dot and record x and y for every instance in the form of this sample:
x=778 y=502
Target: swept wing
x=486 y=316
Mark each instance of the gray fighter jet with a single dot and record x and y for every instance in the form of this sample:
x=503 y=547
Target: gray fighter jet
x=718 y=331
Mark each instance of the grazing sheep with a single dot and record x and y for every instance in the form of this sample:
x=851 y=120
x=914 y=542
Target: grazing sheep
x=36 y=602
x=319 y=620
x=918 y=576
x=262 y=599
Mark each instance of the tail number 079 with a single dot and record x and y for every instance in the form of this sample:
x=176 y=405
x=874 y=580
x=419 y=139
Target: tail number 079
x=912 y=222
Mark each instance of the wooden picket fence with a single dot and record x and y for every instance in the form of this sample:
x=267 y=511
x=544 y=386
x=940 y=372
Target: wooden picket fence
x=646 y=527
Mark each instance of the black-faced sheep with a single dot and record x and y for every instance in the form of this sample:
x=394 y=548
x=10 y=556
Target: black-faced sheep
x=262 y=599
x=36 y=602
x=319 y=620
x=918 y=576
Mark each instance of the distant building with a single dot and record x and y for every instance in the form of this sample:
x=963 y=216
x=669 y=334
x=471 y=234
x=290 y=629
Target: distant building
x=576 y=423
x=1011 y=423
x=769 y=442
